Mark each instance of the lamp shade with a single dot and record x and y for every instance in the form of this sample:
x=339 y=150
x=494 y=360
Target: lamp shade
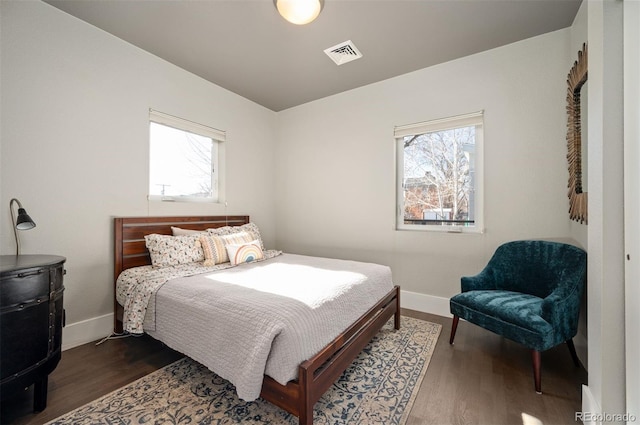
x=24 y=222
x=299 y=12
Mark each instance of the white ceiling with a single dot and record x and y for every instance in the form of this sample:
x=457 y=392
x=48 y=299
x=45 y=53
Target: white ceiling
x=247 y=48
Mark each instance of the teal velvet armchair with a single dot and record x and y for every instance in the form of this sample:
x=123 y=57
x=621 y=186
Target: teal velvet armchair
x=530 y=293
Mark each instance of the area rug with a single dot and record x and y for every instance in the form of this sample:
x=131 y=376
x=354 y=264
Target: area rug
x=378 y=388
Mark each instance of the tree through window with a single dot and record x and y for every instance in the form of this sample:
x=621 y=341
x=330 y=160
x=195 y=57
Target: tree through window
x=438 y=179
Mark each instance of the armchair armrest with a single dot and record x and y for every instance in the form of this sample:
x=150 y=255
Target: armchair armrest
x=480 y=282
x=561 y=309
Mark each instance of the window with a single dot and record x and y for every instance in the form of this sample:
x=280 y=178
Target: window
x=184 y=159
x=439 y=174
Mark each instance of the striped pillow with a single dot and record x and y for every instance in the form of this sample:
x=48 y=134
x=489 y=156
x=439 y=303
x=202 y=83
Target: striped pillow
x=251 y=228
x=215 y=247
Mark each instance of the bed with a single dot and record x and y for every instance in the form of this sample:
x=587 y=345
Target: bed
x=315 y=374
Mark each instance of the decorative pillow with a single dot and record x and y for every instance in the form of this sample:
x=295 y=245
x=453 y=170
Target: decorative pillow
x=245 y=253
x=179 y=231
x=214 y=247
x=251 y=228
x=168 y=250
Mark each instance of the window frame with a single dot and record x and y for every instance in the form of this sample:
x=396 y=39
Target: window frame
x=466 y=120
x=217 y=136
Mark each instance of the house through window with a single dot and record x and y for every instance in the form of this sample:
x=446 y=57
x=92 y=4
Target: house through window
x=439 y=174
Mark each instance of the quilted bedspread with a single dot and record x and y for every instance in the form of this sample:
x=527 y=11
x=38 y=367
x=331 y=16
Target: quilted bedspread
x=266 y=317
x=136 y=290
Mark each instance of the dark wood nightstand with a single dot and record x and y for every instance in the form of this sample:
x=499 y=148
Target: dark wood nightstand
x=31 y=321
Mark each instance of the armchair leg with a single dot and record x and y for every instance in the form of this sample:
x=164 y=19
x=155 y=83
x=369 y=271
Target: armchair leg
x=535 y=356
x=572 y=350
x=454 y=327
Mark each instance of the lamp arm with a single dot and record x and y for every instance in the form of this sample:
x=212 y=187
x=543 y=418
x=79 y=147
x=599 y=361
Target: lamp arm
x=13 y=223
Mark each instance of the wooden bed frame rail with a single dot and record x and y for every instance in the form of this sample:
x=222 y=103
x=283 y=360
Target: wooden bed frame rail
x=315 y=375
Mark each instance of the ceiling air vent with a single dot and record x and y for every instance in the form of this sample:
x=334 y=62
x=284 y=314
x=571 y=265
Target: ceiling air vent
x=343 y=52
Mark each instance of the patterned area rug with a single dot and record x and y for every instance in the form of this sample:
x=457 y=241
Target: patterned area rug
x=378 y=388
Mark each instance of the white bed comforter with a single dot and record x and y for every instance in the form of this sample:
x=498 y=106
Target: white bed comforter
x=267 y=317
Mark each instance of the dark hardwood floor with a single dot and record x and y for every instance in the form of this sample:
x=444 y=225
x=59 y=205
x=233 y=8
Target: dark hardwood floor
x=482 y=379
x=486 y=379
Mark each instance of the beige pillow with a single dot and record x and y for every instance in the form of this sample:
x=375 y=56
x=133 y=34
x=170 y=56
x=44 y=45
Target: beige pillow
x=178 y=231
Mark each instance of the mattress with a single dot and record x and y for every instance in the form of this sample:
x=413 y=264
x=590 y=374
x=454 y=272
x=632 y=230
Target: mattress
x=266 y=317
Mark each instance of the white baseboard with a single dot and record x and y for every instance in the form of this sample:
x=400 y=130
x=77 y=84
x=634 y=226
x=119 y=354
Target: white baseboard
x=79 y=333
x=425 y=303
x=591 y=413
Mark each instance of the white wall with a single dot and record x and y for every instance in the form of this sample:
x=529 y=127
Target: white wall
x=606 y=332
x=74 y=147
x=632 y=201
x=578 y=231
x=336 y=169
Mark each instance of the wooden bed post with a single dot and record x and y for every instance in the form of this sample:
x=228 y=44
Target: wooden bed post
x=305 y=408
x=119 y=254
x=396 y=317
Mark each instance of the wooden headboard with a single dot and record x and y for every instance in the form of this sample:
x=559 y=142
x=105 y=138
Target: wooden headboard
x=130 y=248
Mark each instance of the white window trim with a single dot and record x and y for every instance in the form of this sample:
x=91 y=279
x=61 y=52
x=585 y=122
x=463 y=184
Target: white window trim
x=219 y=136
x=186 y=125
x=475 y=118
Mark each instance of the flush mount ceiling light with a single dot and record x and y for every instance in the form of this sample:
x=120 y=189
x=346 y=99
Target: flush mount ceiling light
x=299 y=12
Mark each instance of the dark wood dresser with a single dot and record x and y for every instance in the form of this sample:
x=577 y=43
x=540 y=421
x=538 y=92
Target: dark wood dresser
x=31 y=320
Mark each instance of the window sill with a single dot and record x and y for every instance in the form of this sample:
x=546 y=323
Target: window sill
x=159 y=198
x=441 y=229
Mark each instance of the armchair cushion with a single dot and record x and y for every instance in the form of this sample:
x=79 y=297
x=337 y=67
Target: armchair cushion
x=511 y=314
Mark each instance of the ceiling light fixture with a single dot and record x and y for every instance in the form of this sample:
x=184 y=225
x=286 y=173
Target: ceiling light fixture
x=299 y=12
